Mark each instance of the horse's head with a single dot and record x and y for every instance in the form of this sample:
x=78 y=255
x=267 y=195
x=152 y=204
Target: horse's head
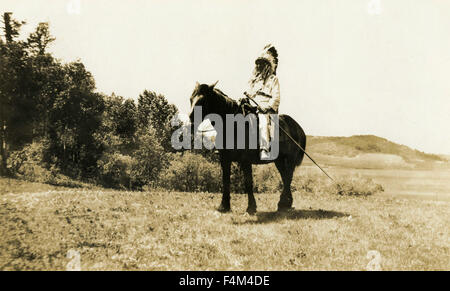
x=200 y=96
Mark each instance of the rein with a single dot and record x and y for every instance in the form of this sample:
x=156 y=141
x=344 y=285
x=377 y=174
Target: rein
x=298 y=145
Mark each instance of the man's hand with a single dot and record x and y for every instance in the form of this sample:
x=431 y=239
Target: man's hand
x=243 y=100
x=263 y=94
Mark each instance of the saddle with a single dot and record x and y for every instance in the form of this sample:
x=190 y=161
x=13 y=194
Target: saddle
x=246 y=108
x=251 y=127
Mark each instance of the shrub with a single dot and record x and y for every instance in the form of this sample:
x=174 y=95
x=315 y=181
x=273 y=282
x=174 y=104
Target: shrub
x=266 y=179
x=134 y=162
x=25 y=162
x=191 y=172
x=194 y=172
x=356 y=186
x=150 y=157
x=28 y=164
x=310 y=183
x=343 y=185
x=116 y=170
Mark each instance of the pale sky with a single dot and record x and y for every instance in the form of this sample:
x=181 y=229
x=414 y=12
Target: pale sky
x=344 y=69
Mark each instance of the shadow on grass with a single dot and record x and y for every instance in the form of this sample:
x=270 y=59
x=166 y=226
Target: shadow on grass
x=293 y=214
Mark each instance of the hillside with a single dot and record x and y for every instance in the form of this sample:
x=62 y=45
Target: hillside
x=369 y=151
x=445 y=157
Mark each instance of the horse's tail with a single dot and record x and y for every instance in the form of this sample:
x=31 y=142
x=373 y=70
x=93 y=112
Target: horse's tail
x=297 y=133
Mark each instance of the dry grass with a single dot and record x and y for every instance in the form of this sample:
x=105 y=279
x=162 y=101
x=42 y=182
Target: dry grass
x=182 y=231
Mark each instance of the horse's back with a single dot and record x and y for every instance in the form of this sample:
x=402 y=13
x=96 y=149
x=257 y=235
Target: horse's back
x=288 y=126
x=293 y=129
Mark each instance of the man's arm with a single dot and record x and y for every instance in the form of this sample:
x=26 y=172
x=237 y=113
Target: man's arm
x=274 y=102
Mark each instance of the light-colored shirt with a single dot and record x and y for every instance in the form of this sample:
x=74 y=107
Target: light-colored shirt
x=267 y=95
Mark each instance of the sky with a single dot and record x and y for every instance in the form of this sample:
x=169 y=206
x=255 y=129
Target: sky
x=346 y=67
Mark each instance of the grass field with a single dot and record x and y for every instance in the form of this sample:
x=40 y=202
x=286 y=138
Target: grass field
x=431 y=184
x=119 y=230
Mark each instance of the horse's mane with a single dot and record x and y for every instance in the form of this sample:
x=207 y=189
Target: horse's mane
x=224 y=103
x=228 y=100
x=227 y=104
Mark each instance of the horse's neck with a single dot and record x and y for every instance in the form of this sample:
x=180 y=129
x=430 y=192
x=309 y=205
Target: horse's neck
x=225 y=105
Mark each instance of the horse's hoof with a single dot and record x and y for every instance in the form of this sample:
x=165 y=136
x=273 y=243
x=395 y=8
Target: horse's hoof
x=223 y=209
x=251 y=211
x=285 y=208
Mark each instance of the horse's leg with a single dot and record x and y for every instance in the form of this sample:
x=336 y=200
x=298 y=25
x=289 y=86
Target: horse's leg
x=248 y=180
x=226 y=167
x=286 y=169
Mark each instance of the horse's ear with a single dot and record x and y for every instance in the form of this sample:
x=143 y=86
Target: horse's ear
x=197 y=84
x=214 y=85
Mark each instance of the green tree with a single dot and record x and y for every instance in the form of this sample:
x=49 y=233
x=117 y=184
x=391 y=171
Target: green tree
x=75 y=118
x=16 y=100
x=126 y=119
x=119 y=124
x=154 y=109
x=47 y=77
x=151 y=156
x=39 y=40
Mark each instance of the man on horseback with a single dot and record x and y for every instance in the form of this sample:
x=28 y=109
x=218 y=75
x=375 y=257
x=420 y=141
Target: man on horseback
x=264 y=89
x=208 y=102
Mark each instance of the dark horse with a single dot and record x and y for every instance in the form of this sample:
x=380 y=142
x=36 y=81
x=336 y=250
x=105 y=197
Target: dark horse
x=213 y=100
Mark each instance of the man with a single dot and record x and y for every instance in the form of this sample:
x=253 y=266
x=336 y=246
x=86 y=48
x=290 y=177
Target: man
x=264 y=89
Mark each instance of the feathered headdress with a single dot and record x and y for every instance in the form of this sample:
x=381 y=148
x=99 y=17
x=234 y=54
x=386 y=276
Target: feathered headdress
x=270 y=55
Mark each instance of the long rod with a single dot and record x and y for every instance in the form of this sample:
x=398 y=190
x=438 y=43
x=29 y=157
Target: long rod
x=303 y=150
x=300 y=147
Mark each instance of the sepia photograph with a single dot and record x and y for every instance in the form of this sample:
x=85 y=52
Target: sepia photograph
x=224 y=135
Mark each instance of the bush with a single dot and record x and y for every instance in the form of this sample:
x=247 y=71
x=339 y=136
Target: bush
x=116 y=170
x=28 y=164
x=356 y=186
x=310 y=183
x=150 y=157
x=343 y=185
x=132 y=163
x=266 y=179
x=191 y=172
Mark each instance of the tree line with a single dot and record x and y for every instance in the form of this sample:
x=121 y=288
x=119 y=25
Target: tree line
x=56 y=128
x=52 y=119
